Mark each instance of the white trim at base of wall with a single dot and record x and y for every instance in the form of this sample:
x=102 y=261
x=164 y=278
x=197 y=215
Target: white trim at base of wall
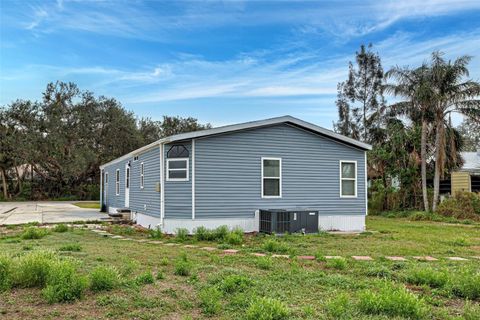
x=325 y=223
x=341 y=223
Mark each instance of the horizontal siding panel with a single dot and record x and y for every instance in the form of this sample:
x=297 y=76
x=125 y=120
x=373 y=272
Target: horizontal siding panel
x=228 y=173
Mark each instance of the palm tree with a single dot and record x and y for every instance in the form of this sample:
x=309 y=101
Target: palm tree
x=451 y=94
x=413 y=85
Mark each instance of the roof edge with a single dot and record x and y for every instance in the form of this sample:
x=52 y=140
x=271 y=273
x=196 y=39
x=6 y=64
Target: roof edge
x=245 y=126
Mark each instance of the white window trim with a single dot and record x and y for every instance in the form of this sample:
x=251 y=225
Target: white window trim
x=117 y=182
x=280 y=178
x=351 y=179
x=168 y=169
x=142 y=175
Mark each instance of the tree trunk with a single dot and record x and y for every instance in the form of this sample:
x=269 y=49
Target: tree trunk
x=19 y=181
x=423 y=154
x=4 y=183
x=438 y=159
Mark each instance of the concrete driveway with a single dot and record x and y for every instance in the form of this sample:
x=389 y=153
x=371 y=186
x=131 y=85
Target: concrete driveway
x=46 y=212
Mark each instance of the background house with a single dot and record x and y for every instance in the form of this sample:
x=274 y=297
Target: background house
x=467 y=178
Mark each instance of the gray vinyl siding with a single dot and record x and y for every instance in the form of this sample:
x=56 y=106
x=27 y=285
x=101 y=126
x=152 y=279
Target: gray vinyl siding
x=148 y=195
x=178 y=194
x=228 y=173
x=113 y=200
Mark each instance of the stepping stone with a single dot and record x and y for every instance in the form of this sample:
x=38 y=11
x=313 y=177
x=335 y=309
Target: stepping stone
x=106 y=234
x=125 y=239
x=98 y=231
x=475 y=257
x=286 y=256
x=362 y=258
x=395 y=258
x=426 y=258
x=257 y=254
x=306 y=257
x=333 y=257
x=209 y=248
x=141 y=240
x=117 y=237
x=155 y=242
x=230 y=251
x=456 y=259
x=190 y=246
x=171 y=244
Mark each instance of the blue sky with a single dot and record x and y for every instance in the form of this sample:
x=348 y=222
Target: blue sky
x=221 y=61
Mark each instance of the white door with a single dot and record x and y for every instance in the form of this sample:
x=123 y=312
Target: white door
x=127 y=185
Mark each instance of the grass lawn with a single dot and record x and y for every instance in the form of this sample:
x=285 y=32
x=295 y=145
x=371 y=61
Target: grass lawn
x=88 y=204
x=158 y=281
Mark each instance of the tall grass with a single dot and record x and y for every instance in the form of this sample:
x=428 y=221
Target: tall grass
x=392 y=301
x=104 y=278
x=5 y=269
x=267 y=309
x=34 y=233
x=32 y=269
x=63 y=283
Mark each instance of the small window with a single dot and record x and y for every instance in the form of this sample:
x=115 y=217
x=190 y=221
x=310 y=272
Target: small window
x=348 y=179
x=177 y=151
x=142 y=176
x=271 y=178
x=127 y=178
x=135 y=158
x=117 y=182
x=177 y=169
x=106 y=177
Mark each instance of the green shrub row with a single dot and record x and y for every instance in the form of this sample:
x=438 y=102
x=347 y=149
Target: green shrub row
x=221 y=234
x=463 y=205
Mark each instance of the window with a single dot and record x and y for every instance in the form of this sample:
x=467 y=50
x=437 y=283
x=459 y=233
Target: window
x=142 y=176
x=177 y=151
x=117 y=182
x=348 y=179
x=106 y=177
x=271 y=178
x=177 y=169
x=127 y=178
x=135 y=158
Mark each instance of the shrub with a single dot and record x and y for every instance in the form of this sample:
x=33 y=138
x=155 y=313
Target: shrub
x=164 y=261
x=267 y=309
x=392 y=301
x=76 y=247
x=264 y=263
x=122 y=230
x=60 y=228
x=466 y=284
x=276 y=246
x=463 y=205
x=63 y=283
x=34 y=233
x=427 y=276
x=235 y=283
x=32 y=269
x=145 y=278
x=182 y=268
x=210 y=300
x=104 y=278
x=181 y=235
x=234 y=238
x=5 y=269
x=220 y=233
x=156 y=233
x=337 y=263
x=160 y=275
x=203 y=234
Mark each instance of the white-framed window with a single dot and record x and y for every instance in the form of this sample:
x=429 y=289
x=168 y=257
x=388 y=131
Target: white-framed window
x=271 y=177
x=117 y=182
x=142 y=175
x=177 y=169
x=127 y=177
x=348 y=179
x=106 y=177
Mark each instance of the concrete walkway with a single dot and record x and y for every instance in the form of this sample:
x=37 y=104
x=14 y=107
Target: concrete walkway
x=46 y=212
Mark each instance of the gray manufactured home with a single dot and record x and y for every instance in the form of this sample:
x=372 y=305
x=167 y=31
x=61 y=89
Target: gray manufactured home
x=230 y=175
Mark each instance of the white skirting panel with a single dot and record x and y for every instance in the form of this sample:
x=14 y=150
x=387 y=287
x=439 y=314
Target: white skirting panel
x=112 y=210
x=246 y=224
x=342 y=223
x=147 y=221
